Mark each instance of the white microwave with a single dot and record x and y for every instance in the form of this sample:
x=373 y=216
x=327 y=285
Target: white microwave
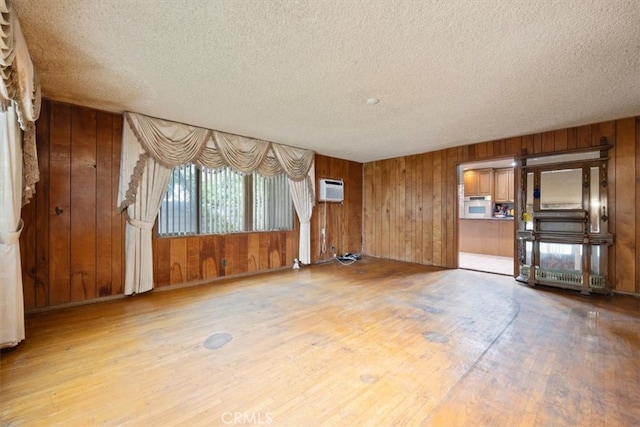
x=478 y=207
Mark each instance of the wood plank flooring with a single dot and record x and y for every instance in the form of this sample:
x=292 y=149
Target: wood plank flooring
x=378 y=343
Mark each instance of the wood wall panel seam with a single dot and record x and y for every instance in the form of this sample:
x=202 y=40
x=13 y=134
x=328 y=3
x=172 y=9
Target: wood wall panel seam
x=637 y=203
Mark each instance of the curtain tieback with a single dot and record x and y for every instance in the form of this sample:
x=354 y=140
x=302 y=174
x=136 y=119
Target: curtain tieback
x=145 y=225
x=11 y=237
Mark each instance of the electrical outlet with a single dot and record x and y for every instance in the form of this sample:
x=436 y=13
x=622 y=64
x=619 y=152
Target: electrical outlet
x=223 y=262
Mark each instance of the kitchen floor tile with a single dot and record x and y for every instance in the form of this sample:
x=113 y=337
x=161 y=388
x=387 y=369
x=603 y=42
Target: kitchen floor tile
x=487 y=263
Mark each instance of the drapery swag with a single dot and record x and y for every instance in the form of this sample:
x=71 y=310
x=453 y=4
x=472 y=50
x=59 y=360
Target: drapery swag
x=152 y=147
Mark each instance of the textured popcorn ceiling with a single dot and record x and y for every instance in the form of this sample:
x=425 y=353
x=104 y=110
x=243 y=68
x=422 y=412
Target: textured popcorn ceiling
x=446 y=72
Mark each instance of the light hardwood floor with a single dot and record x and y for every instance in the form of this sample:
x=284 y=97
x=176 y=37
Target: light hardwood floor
x=378 y=343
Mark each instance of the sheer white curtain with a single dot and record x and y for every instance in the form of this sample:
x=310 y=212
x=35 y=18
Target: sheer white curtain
x=11 y=299
x=19 y=109
x=153 y=147
x=302 y=193
x=302 y=184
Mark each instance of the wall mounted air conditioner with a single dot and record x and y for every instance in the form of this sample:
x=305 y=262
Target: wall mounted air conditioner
x=331 y=190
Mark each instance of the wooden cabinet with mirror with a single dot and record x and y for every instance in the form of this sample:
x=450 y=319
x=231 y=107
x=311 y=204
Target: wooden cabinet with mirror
x=562 y=227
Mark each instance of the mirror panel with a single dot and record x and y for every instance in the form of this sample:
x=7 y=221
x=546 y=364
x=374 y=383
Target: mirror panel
x=560 y=256
x=594 y=201
x=529 y=201
x=561 y=189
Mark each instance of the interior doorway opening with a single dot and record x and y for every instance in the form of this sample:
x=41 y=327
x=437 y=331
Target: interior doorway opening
x=486 y=210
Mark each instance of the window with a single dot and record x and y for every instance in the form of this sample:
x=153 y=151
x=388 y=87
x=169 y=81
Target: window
x=200 y=200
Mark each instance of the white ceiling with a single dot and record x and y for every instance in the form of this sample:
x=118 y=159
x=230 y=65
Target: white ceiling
x=447 y=73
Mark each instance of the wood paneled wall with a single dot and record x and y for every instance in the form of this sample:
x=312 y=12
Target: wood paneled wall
x=72 y=245
x=342 y=221
x=180 y=260
x=407 y=213
x=410 y=202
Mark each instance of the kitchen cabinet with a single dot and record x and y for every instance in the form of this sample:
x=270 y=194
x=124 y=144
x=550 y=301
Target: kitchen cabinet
x=503 y=179
x=478 y=182
x=487 y=236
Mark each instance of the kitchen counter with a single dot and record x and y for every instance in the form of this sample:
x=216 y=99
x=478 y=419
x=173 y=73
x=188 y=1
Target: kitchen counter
x=489 y=236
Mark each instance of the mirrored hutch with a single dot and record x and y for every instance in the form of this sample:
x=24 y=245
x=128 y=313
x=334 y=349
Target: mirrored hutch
x=562 y=224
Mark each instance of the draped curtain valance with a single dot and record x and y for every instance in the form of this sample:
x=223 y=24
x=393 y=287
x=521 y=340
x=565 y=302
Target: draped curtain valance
x=151 y=148
x=172 y=144
x=19 y=86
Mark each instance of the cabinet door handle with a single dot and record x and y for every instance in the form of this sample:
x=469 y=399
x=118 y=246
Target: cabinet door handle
x=604 y=214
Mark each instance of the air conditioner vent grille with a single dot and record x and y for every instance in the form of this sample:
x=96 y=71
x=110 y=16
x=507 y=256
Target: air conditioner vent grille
x=331 y=190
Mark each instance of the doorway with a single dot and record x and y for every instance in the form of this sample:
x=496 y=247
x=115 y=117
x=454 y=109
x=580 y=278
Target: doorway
x=486 y=206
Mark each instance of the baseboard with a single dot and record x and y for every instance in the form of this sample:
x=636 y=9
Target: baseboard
x=631 y=294
x=74 y=304
x=155 y=289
